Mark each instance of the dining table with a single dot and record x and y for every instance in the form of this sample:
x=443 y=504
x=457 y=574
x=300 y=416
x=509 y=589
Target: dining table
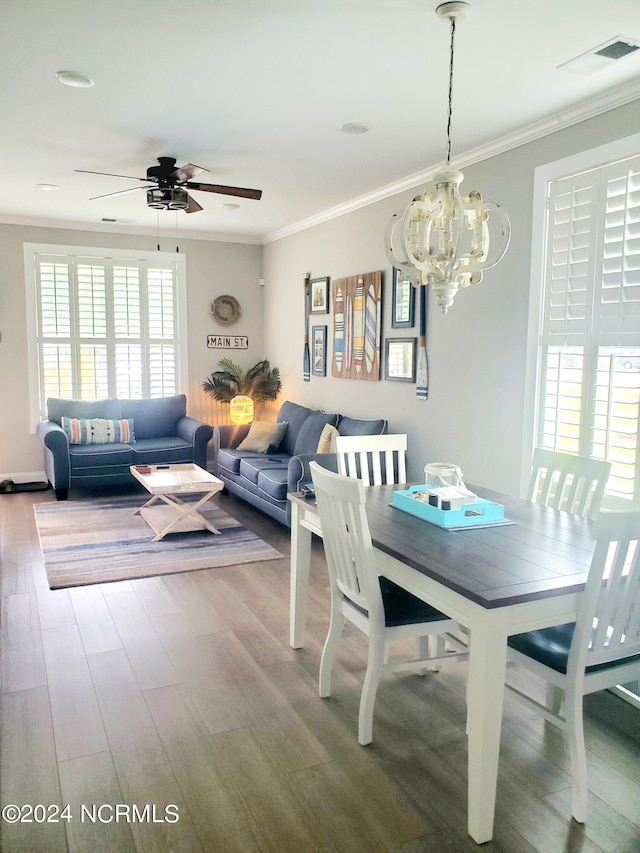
x=495 y=580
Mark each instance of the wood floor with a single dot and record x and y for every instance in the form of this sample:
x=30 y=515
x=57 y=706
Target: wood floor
x=182 y=693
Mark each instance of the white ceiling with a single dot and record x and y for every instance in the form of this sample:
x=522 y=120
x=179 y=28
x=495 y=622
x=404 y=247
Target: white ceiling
x=257 y=90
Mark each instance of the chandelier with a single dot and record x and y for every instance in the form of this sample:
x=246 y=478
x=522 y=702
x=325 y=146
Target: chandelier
x=442 y=239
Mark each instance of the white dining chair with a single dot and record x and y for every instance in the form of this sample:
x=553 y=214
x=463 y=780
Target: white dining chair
x=375 y=459
x=374 y=604
x=601 y=649
x=564 y=481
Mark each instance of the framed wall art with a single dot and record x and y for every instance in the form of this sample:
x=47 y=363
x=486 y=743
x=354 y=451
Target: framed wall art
x=319 y=295
x=403 y=302
x=400 y=359
x=357 y=323
x=319 y=350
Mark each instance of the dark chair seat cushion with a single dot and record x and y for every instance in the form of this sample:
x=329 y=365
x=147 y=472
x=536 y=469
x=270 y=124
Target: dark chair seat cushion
x=401 y=607
x=550 y=646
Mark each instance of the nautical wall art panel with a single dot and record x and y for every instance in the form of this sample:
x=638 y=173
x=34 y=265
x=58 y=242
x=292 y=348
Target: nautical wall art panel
x=357 y=320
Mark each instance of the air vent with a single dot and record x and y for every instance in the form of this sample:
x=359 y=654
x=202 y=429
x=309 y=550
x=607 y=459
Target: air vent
x=602 y=56
x=617 y=50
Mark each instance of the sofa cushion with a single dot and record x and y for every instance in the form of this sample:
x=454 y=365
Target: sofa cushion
x=58 y=406
x=355 y=426
x=156 y=417
x=230 y=459
x=295 y=416
x=273 y=482
x=311 y=430
x=264 y=437
x=149 y=451
x=98 y=430
x=100 y=455
x=251 y=467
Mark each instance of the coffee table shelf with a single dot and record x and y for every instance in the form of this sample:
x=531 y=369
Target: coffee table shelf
x=165 y=483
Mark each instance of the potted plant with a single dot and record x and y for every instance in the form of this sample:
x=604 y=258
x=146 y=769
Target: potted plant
x=260 y=382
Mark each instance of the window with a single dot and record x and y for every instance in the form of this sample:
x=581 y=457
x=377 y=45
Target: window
x=588 y=394
x=104 y=324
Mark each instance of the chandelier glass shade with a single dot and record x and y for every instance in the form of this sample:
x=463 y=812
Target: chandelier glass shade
x=444 y=239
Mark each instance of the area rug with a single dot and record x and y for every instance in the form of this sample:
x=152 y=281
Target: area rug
x=102 y=540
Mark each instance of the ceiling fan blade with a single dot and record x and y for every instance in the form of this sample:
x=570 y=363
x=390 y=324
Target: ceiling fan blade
x=240 y=192
x=110 y=175
x=194 y=207
x=186 y=172
x=119 y=192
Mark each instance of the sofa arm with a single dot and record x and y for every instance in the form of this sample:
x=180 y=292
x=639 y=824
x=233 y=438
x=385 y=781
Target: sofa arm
x=298 y=473
x=197 y=434
x=57 y=464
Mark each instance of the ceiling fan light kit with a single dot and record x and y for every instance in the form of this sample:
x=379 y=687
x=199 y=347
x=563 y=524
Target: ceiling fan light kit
x=443 y=239
x=168 y=199
x=169 y=185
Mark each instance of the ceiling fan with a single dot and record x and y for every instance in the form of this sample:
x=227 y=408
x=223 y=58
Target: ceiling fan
x=169 y=185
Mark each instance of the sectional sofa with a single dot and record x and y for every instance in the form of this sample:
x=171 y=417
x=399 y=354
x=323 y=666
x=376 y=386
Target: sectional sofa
x=92 y=443
x=263 y=477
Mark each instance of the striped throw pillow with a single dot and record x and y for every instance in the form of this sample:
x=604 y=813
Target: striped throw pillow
x=98 y=430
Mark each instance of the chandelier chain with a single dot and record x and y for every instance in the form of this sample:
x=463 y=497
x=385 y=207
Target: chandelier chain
x=451 y=50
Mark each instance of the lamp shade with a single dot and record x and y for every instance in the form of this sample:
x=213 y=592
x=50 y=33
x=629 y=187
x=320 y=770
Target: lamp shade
x=241 y=410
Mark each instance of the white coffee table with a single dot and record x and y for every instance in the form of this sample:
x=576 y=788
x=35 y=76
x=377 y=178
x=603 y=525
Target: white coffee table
x=165 y=483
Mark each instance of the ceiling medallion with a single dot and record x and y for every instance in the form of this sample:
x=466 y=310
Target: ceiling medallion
x=226 y=310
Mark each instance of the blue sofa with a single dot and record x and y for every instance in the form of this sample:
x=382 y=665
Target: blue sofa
x=263 y=479
x=162 y=433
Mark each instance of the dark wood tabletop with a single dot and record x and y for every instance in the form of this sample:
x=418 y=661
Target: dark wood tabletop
x=544 y=553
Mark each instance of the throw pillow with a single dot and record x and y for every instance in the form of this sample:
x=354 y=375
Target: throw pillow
x=98 y=430
x=264 y=437
x=326 y=444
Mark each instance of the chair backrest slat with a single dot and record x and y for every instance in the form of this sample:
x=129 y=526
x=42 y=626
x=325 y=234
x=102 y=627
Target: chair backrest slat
x=374 y=459
x=572 y=483
x=608 y=625
x=347 y=539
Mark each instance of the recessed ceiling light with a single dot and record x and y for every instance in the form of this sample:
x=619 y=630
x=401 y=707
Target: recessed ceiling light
x=48 y=187
x=230 y=205
x=75 y=79
x=355 y=127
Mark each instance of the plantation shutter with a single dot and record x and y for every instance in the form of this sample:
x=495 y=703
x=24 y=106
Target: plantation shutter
x=105 y=328
x=589 y=395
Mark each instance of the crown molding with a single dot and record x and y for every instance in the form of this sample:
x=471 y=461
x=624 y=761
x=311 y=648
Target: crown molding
x=590 y=108
x=128 y=229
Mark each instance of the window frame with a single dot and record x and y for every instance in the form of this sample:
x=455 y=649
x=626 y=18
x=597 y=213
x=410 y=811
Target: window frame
x=594 y=158
x=108 y=256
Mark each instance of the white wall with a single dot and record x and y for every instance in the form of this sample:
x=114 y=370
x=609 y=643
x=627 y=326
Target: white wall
x=475 y=414
x=213 y=269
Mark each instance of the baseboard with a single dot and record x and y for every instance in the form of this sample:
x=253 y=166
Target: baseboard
x=26 y=477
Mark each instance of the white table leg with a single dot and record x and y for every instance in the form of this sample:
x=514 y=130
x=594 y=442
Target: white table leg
x=299 y=579
x=487 y=669
x=176 y=512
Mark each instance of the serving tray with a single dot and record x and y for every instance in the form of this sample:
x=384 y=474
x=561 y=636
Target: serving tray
x=482 y=513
